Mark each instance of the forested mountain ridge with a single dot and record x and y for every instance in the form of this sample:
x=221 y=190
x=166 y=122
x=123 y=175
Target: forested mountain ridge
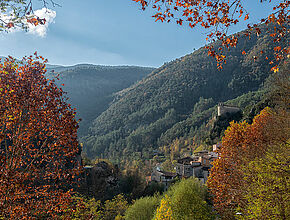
x=174 y=94
x=90 y=88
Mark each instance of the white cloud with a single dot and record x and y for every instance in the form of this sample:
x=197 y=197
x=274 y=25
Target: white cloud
x=41 y=30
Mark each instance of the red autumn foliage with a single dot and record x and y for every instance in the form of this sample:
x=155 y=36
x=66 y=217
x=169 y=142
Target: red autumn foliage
x=217 y=17
x=38 y=142
x=241 y=144
x=36 y=21
x=10 y=25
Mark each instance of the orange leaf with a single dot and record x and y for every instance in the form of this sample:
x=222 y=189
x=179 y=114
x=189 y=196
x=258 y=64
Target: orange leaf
x=10 y=25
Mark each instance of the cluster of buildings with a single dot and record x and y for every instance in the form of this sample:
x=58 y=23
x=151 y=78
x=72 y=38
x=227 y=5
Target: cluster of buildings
x=197 y=166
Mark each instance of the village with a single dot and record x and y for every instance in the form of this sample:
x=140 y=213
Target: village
x=194 y=164
x=197 y=165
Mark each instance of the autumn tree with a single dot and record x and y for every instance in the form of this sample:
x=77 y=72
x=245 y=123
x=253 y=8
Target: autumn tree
x=164 y=211
x=38 y=142
x=216 y=17
x=268 y=181
x=241 y=144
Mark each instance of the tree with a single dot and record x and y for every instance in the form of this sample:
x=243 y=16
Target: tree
x=38 y=142
x=187 y=199
x=217 y=17
x=241 y=144
x=85 y=208
x=224 y=181
x=153 y=188
x=164 y=211
x=115 y=208
x=19 y=13
x=280 y=86
x=268 y=181
x=143 y=208
x=132 y=183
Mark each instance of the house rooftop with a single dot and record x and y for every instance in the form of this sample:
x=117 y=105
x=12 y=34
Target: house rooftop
x=195 y=163
x=200 y=153
x=168 y=173
x=185 y=160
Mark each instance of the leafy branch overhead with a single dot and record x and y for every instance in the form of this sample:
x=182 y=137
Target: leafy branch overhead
x=217 y=16
x=20 y=13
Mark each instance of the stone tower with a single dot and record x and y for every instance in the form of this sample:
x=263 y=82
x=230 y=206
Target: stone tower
x=223 y=109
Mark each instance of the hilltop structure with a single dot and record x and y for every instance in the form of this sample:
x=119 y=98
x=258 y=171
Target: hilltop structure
x=224 y=109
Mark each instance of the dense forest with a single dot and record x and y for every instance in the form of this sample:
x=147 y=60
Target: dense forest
x=91 y=88
x=179 y=99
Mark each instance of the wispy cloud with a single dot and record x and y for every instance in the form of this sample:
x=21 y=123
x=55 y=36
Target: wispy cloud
x=41 y=30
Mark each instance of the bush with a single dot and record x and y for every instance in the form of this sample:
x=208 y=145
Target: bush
x=143 y=209
x=187 y=199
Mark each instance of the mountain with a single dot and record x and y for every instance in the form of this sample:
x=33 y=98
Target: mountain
x=90 y=88
x=178 y=99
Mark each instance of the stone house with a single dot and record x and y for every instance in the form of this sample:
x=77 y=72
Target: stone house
x=183 y=167
x=163 y=177
x=197 y=166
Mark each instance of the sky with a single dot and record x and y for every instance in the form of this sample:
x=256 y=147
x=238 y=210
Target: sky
x=110 y=32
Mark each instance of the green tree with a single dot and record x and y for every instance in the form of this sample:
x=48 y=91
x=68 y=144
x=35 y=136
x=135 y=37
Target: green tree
x=132 y=183
x=143 y=209
x=279 y=85
x=168 y=166
x=85 y=208
x=153 y=188
x=268 y=181
x=115 y=208
x=187 y=199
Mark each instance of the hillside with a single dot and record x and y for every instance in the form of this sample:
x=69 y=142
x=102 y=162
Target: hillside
x=90 y=88
x=176 y=99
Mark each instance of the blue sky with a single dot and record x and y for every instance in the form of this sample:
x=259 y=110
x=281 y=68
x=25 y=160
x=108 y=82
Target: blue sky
x=111 y=32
